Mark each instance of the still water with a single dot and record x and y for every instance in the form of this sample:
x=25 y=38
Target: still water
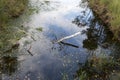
x=57 y=61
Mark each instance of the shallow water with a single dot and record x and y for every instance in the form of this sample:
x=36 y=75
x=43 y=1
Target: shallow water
x=57 y=61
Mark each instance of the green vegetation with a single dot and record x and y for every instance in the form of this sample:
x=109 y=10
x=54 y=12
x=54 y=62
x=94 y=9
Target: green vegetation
x=9 y=35
x=99 y=68
x=109 y=11
x=10 y=9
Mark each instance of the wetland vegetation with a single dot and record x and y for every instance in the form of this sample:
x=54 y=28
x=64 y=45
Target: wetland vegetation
x=109 y=12
x=9 y=11
x=94 y=54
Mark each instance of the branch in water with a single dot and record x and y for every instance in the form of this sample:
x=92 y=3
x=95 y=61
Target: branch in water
x=68 y=37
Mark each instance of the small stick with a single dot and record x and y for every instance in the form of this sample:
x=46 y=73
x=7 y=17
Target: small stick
x=69 y=44
x=33 y=38
x=30 y=51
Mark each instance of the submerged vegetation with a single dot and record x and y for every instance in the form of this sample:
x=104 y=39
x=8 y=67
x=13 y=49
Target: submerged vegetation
x=109 y=13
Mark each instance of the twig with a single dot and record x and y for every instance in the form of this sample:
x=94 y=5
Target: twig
x=33 y=38
x=69 y=44
x=28 y=50
x=68 y=37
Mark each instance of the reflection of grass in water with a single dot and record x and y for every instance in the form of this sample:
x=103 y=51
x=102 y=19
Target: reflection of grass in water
x=98 y=68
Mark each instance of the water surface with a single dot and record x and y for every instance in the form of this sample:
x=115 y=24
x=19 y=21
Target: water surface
x=57 y=61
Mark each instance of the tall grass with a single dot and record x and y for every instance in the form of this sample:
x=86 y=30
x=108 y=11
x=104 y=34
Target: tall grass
x=10 y=8
x=113 y=7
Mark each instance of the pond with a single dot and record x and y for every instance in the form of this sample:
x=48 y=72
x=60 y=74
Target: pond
x=40 y=57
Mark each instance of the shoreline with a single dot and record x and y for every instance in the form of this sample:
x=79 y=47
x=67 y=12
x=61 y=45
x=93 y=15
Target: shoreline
x=103 y=12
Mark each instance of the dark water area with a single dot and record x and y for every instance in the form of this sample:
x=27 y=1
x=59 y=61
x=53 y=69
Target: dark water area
x=57 y=61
